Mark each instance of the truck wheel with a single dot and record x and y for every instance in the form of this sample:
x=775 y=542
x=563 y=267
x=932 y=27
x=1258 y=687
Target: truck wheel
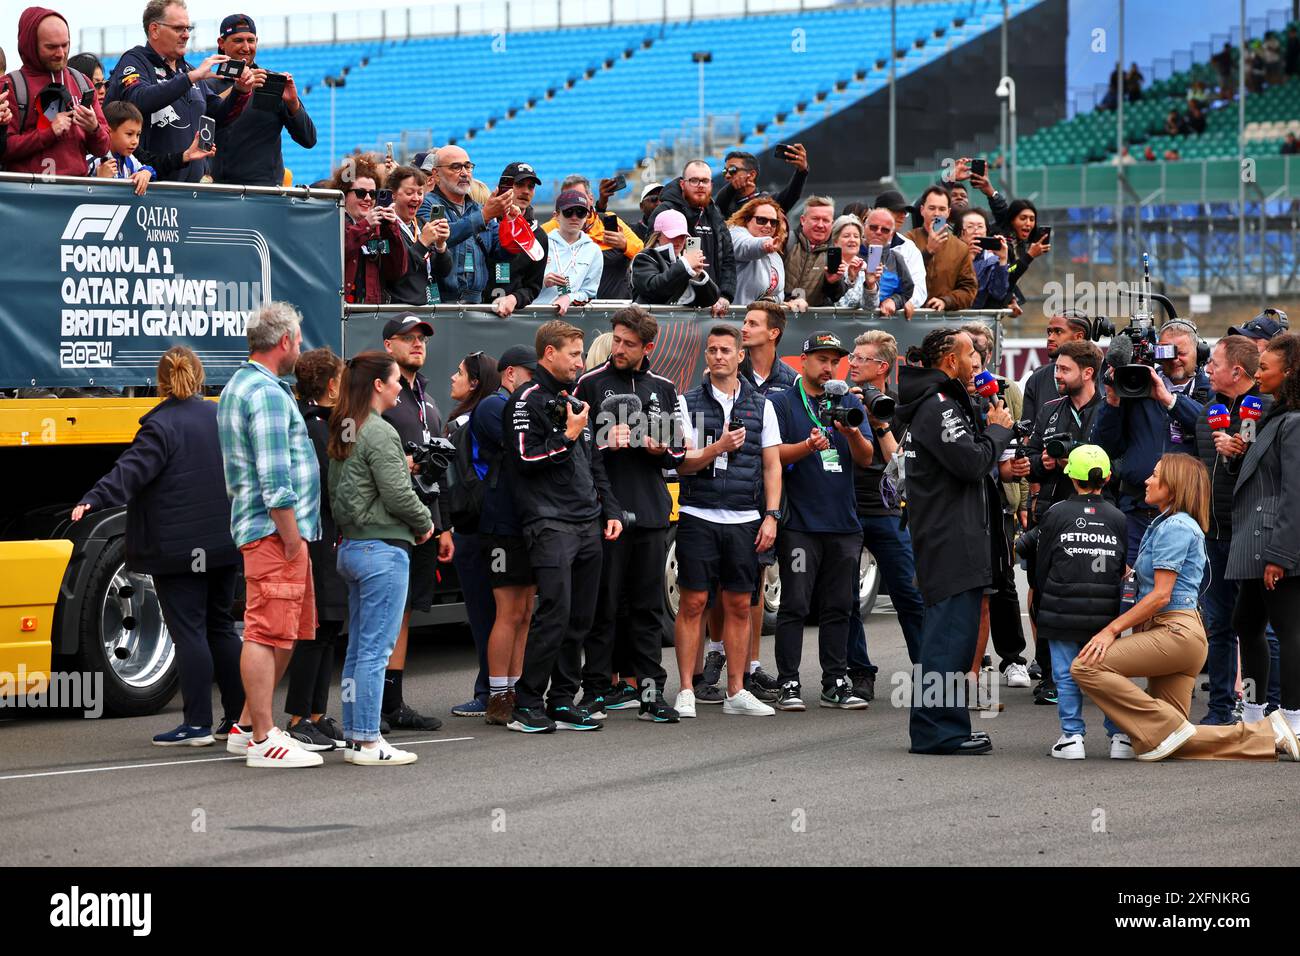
x=124 y=637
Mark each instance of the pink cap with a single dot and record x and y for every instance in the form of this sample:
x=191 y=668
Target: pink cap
x=670 y=224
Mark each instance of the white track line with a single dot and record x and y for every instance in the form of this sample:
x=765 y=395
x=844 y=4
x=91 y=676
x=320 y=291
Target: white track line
x=179 y=763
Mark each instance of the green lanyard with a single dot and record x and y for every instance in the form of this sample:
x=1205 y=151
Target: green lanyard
x=817 y=423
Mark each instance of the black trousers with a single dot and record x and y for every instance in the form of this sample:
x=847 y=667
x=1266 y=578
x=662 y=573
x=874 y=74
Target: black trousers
x=1257 y=607
x=566 y=561
x=471 y=562
x=825 y=565
x=196 y=608
x=1006 y=632
x=631 y=594
x=311 y=670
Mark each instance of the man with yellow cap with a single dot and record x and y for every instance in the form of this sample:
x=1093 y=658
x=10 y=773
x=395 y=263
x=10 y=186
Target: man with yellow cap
x=1076 y=561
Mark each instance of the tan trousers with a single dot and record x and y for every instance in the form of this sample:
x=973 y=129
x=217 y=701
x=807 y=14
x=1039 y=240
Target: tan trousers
x=1169 y=654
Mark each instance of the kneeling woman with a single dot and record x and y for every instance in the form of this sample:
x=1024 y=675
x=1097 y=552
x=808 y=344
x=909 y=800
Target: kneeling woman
x=1168 y=644
x=379 y=519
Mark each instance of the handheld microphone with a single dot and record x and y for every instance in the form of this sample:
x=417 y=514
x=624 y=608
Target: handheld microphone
x=623 y=405
x=1252 y=409
x=986 y=384
x=1218 y=417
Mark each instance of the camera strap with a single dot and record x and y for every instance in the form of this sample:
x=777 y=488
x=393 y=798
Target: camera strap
x=831 y=456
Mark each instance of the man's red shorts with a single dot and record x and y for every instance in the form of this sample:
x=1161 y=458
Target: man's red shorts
x=281 y=604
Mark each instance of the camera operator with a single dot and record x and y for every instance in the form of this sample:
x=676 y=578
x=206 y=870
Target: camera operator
x=248 y=147
x=1063 y=423
x=636 y=441
x=875 y=354
x=1139 y=430
x=951 y=511
x=417 y=419
x=564 y=500
x=1222 y=447
x=821 y=544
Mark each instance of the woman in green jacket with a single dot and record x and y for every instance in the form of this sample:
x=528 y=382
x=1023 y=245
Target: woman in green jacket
x=379 y=519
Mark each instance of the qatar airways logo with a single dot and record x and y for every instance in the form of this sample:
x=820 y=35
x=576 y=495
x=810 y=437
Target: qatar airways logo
x=95 y=219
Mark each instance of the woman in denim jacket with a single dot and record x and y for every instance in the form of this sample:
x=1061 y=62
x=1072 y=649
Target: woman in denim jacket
x=1168 y=644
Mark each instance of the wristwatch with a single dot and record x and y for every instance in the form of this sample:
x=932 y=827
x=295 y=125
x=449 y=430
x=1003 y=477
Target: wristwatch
x=773 y=513
x=883 y=429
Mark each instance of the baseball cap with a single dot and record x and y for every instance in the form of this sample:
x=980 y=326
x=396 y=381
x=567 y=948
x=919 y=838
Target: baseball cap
x=237 y=23
x=1267 y=325
x=1084 y=459
x=425 y=161
x=670 y=224
x=520 y=171
x=824 y=341
x=650 y=188
x=517 y=237
x=518 y=356
x=570 y=199
x=405 y=323
x=893 y=201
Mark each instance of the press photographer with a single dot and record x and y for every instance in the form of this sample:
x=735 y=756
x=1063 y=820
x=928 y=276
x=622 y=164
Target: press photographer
x=1138 y=430
x=418 y=422
x=564 y=501
x=824 y=434
x=636 y=439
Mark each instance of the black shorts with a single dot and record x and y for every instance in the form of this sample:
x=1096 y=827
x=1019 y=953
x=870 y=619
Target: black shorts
x=712 y=555
x=424 y=576
x=507 y=559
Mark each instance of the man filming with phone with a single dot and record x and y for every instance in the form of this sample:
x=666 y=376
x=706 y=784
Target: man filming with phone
x=473 y=242
x=248 y=147
x=949 y=276
x=740 y=170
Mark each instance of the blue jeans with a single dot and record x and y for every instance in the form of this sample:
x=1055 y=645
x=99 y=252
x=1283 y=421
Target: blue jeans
x=377 y=575
x=1069 y=699
x=891 y=546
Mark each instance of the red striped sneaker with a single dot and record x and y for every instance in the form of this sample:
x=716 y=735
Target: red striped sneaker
x=278 y=750
x=238 y=740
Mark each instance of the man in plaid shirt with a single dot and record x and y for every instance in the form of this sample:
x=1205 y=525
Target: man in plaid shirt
x=273 y=480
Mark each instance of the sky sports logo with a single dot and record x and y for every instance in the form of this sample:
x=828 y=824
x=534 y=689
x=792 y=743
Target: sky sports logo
x=95 y=219
x=76 y=910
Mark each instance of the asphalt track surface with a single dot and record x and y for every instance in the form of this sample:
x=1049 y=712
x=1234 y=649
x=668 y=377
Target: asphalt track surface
x=818 y=788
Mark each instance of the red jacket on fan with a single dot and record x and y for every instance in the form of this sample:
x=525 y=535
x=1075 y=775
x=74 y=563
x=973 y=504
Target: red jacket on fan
x=364 y=275
x=27 y=149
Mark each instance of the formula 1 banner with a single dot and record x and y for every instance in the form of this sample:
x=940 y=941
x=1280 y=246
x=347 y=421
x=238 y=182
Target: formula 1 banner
x=99 y=282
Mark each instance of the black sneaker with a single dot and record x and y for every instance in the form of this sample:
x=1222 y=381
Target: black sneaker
x=714 y=661
x=223 y=729
x=622 y=696
x=1045 y=694
x=708 y=694
x=332 y=729
x=790 y=699
x=572 y=718
x=594 y=704
x=840 y=696
x=309 y=737
x=1035 y=672
x=531 y=720
x=407 y=717
x=658 y=711
x=763 y=679
x=864 y=685
x=765 y=694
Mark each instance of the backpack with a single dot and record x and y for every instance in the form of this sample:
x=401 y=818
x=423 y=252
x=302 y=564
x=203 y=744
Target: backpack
x=463 y=489
x=18 y=84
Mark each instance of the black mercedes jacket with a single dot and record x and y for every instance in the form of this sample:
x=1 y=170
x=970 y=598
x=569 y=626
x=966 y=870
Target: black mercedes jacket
x=952 y=499
x=635 y=475
x=551 y=477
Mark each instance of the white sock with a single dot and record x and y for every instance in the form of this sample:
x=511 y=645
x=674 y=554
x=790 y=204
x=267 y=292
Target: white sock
x=498 y=685
x=1293 y=718
x=754 y=665
x=513 y=681
x=714 y=646
x=1252 y=713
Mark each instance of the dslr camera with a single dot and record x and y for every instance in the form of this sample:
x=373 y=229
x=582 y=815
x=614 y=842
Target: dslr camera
x=1059 y=445
x=557 y=409
x=431 y=463
x=831 y=409
x=880 y=405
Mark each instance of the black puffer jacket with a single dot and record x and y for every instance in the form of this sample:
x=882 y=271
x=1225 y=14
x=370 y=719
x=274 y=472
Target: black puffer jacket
x=952 y=499
x=1077 y=557
x=1223 y=471
x=660 y=279
x=715 y=238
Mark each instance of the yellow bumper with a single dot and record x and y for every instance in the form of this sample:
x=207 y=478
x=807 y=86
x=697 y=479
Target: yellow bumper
x=30 y=575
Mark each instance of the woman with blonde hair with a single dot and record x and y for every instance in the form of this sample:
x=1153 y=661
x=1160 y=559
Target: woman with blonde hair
x=1168 y=643
x=758 y=233
x=178 y=531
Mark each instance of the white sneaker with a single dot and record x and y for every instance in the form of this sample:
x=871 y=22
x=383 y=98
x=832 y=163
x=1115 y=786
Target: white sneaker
x=746 y=705
x=1171 y=743
x=1069 y=746
x=383 y=755
x=1121 y=748
x=1017 y=675
x=238 y=741
x=274 y=751
x=1288 y=747
x=685 y=703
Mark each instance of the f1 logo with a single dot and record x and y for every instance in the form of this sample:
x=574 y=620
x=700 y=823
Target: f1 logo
x=90 y=218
